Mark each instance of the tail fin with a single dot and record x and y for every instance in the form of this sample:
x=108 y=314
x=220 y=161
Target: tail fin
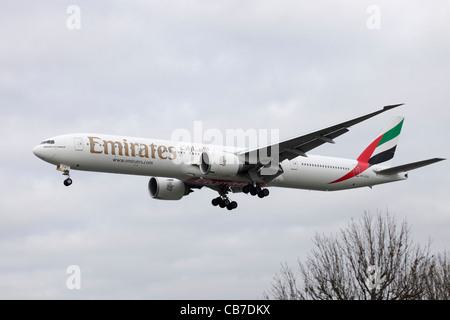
x=382 y=149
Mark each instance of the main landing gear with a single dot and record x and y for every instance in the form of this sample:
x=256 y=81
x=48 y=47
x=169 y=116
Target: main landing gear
x=223 y=201
x=255 y=190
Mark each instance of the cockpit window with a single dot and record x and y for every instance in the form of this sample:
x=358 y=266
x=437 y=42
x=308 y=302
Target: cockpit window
x=48 y=142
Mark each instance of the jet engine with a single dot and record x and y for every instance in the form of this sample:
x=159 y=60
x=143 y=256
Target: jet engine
x=167 y=188
x=220 y=164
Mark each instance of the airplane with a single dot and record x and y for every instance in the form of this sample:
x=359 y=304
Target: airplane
x=177 y=168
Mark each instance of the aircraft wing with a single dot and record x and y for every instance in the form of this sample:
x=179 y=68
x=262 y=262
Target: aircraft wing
x=409 y=166
x=299 y=146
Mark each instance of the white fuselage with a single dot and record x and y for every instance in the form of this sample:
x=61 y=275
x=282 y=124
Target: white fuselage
x=163 y=158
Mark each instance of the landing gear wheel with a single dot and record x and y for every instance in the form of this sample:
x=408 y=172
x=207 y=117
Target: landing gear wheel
x=66 y=172
x=67 y=182
x=224 y=202
x=255 y=190
x=232 y=205
x=263 y=193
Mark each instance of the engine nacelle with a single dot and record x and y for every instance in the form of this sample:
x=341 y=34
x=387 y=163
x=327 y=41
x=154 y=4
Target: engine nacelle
x=220 y=164
x=167 y=188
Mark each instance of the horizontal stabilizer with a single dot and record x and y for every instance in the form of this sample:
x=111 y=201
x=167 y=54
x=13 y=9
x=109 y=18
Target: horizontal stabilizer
x=409 y=166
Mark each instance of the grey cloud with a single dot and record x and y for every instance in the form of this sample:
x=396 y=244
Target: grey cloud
x=147 y=68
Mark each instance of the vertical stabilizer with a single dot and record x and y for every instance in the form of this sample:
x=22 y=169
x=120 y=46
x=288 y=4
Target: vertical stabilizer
x=381 y=151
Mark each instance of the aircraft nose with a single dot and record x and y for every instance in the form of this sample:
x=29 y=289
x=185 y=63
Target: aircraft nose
x=38 y=151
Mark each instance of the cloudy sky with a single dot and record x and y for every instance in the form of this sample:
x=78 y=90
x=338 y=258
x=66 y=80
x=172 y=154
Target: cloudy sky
x=147 y=68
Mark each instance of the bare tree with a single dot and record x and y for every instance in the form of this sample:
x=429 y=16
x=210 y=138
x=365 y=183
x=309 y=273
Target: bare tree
x=371 y=259
x=438 y=281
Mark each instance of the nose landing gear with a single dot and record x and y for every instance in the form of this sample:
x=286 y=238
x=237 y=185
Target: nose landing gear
x=66 y=172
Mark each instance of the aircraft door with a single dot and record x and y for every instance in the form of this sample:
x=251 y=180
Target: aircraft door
x=78 y=144
x=294 y=164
